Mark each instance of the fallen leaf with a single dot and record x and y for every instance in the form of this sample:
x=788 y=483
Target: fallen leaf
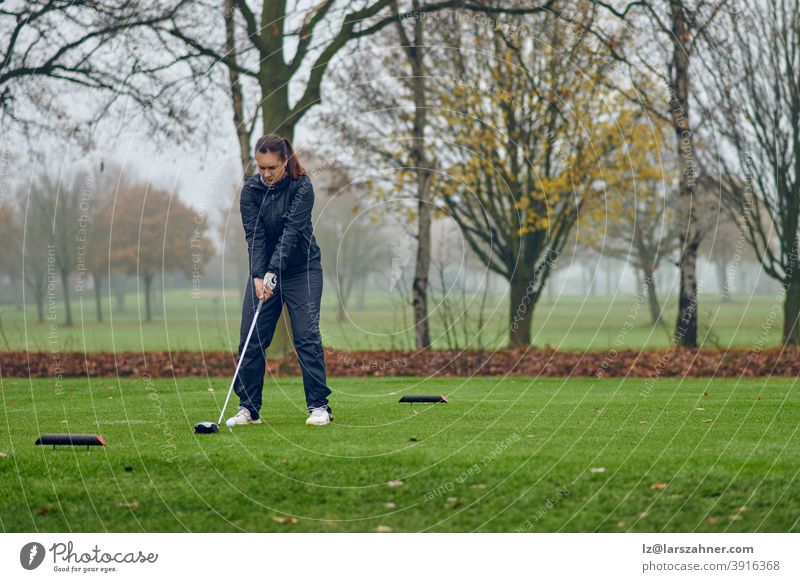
x=132 y=505
x=288 y=520
x=738 y=515
x=383 y=529
x=711 y=520
x=595 y=470
x=43 y=511
x=758 y=396
x=658 y=486
x=395 y=483
x=453 y=503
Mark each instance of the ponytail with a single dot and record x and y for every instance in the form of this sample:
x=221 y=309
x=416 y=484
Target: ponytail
x=281 y=146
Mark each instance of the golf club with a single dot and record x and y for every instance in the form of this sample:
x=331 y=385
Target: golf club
x=210 y=427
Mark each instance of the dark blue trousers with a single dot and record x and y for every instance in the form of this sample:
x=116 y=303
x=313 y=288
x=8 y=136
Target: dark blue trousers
x=302 y=294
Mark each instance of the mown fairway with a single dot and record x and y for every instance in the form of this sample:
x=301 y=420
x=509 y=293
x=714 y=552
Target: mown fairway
x=503 y=455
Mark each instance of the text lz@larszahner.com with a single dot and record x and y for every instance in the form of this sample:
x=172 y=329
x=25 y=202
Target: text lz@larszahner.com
x=65 y=553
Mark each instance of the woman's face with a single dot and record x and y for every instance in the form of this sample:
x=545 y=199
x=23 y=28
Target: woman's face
x=270 y=166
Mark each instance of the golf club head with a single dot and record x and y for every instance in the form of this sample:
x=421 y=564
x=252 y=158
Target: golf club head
x=206 y=428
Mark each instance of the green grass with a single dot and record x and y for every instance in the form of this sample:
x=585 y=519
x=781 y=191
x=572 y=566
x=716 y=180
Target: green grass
x=205 y=323
x=503 y=455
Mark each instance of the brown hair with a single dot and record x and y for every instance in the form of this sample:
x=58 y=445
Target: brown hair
x=281 y=146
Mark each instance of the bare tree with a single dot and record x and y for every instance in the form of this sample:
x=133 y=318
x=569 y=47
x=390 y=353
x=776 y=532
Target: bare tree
x=414 y=49
x=727 y=248
x=680 y=27
x=460 y=302
x=57 y=201
x=755 y=99
x=36 y=243
x=55 y=48
x=353 y=244
x=107 y=181
x=638 y=226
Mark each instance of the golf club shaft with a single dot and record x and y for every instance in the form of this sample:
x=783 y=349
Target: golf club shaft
x=239 y=364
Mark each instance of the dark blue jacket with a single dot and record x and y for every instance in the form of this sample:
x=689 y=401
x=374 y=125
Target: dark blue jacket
x=277 y=226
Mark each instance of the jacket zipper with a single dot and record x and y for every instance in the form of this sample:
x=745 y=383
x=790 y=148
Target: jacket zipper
x=274 y=215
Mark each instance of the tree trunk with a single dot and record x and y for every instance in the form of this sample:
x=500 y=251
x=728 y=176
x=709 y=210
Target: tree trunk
x=158 y=295
x=652 y=298
x=67 y=306
x=744 y=279
x=722 y=277
x=423 y=260
x=276 y=116
x=341 y=311
x=148 y=282
x=18 y=283
x=120 y=283
x=242 y=131
x=242 y=274
x=362 y=291
x=686 y=324
x=98 y=296
x=342 y=294
x=40 y=308
x=791 y=312
x=521 y=310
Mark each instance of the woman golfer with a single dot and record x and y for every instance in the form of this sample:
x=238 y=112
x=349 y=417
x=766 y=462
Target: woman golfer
x=285 y=267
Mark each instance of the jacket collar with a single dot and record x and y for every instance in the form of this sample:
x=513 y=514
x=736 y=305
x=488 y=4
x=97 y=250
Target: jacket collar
x=279 y=187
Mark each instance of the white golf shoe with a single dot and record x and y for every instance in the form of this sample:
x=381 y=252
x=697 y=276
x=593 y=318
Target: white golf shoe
x=319 y=417
x=243 y=417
